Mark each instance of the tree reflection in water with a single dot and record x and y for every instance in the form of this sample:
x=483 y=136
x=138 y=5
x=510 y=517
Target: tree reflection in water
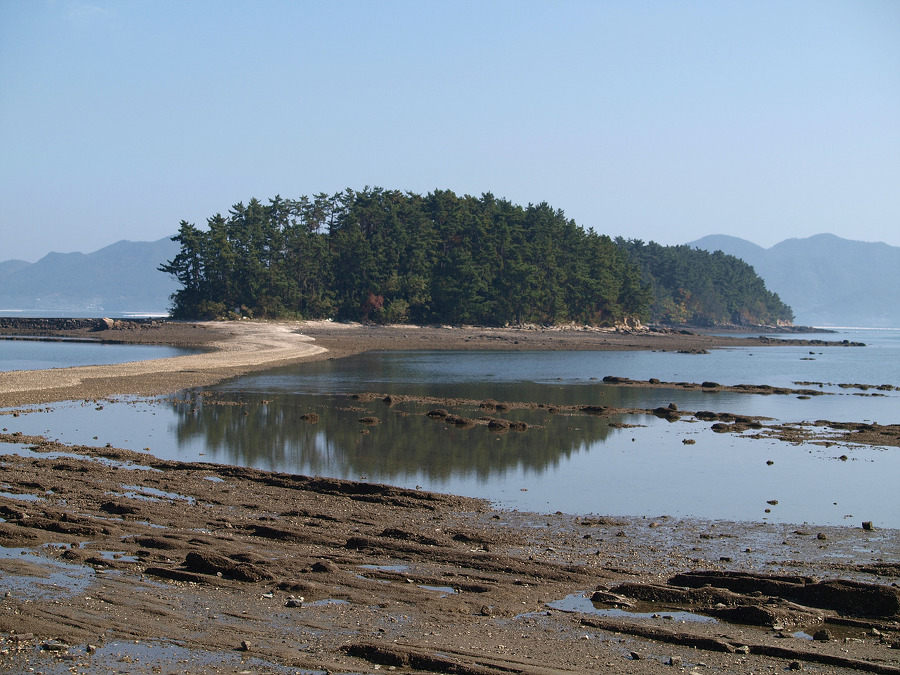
x=263 y=430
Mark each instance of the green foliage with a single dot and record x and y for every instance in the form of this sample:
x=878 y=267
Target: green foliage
x=696 y=287
x=392 y=257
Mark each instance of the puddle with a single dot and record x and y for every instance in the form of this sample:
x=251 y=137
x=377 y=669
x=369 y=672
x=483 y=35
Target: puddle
x=28 y=576
x=577 y=602
x=377 y=581
x=214 y=479
x=155 y=656
x=325 y=602
x=445 y=590
x=30 y=451
x=118 y=556
x=23 y=497
x=401 y=569
x=153 y=495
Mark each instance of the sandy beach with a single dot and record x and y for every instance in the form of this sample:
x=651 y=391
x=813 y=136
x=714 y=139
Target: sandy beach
x=120 y=562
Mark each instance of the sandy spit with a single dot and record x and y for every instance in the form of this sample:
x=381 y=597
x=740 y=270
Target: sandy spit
x=235 y=348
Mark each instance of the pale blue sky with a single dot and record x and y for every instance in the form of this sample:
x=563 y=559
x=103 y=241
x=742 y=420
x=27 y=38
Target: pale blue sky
x=654 y=120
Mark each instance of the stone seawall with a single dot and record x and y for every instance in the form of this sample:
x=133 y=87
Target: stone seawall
x=13 y=325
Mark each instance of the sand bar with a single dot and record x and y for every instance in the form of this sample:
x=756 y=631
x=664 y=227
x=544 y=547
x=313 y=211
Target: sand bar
x=235 y=348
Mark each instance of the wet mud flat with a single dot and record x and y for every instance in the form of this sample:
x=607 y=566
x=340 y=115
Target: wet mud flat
x=115 y=560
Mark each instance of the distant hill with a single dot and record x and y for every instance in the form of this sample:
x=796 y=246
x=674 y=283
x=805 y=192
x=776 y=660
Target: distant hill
x=827 y=280
x=122 y=277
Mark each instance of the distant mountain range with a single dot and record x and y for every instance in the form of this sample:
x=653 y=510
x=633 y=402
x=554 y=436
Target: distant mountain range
x=826 y=280
x=121 y=278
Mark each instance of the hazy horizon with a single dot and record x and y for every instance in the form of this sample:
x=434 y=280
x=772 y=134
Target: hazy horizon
x=714 y=234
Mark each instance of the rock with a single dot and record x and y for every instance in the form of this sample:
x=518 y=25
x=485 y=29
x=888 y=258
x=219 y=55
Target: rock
x=635 y=656
x=210 y=563
x=294 y=602
x=369 y=420
x=710 y=385
x=795 y=665
x=822 y=536
x=245 y=646
x=54 y=646
x=868 y=526
x=823 y=635
x=609 y=598
x=743 y=649
x=325 y=566
x=675 y=661
x=688 y=441
x=459 y=421
x=310 y=417
x=119 y=509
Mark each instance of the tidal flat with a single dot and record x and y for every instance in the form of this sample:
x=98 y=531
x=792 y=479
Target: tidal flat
x=197 y=558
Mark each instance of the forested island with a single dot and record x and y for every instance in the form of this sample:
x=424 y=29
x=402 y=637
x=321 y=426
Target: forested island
x=389 y=256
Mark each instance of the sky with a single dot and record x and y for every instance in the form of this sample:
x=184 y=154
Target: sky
x=653 y=120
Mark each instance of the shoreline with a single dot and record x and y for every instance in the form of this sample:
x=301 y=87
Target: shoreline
x=241 y=347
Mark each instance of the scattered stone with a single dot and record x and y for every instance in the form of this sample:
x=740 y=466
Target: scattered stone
x=294 y=602
x=688 y=441
x=635 y=656
x=326 y=566
x=868 y=526
x=743 y=649
x=245 y=646
x=823 y=635
x=676 y=661
x=822 y=536
x=795 y=665
x=369 y=420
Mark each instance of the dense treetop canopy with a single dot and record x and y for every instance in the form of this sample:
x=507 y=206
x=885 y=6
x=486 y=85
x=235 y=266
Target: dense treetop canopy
x=390 y=256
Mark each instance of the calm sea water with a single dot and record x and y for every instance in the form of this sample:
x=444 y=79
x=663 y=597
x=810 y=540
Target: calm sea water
x=568 y=462
x=40 y=354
